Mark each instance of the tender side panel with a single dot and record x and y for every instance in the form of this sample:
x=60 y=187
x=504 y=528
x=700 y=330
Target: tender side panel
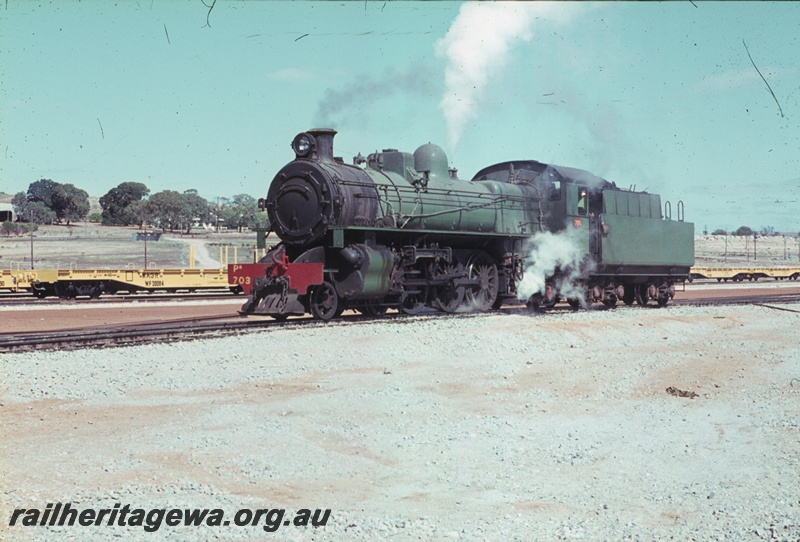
x=633 y=240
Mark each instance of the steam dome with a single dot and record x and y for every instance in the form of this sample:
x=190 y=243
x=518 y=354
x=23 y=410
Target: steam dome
x=431 y=158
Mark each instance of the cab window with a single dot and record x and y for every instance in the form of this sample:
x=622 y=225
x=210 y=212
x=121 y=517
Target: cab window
x=555 y=190
x=582 y=200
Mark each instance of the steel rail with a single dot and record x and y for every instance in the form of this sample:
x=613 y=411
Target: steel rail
x=191 y=328
x=177 y=330
x=15 y=301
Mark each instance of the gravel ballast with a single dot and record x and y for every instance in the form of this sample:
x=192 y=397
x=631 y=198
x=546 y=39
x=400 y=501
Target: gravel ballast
x=489 y=427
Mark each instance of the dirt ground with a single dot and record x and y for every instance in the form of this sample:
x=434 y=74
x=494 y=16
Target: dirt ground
x=491 y=427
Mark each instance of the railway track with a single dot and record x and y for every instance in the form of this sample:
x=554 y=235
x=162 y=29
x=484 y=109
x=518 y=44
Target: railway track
x=744 y=299
x=7 y=300
x=115 y=335
x=122 y=335
x=181 y=329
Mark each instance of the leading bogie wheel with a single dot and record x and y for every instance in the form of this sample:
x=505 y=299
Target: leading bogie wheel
x=374 y=308
x=413 y=302
x=323 y=303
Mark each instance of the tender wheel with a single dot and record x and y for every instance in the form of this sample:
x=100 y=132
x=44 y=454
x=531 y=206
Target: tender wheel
x=448 y=298
x=641 y=294
x=610 y=303
x=663 y=299
x=574 y=302
x=630 y=294
x=482 y=296
x=323 y=301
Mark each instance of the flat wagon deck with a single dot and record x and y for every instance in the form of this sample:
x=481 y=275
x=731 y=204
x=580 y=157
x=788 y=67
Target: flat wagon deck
x=69 y=283
x=738 y=274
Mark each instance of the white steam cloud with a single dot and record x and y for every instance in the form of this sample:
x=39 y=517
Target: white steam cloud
x=478 y=45
x=551 y=253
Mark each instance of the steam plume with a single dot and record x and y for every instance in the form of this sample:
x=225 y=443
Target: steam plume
x=548 y=253
x=346 y=105
x=477 y=45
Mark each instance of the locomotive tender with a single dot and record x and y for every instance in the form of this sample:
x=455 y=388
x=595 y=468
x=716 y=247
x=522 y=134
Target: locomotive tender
x=401 y=230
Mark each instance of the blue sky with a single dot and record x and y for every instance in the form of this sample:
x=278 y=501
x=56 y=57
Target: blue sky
x=662 y=96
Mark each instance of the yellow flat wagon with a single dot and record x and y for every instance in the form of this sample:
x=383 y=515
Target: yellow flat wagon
x=738 y=274
x=68 y=283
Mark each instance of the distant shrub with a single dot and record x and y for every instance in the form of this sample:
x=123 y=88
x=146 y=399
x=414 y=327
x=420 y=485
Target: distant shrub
x=9 y=228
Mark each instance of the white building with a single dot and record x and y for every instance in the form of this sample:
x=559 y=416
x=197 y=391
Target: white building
x=6 y=212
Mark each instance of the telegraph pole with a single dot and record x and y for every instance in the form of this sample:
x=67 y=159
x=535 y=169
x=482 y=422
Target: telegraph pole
x=755 y=254
x=30 y=199
x=30 y=228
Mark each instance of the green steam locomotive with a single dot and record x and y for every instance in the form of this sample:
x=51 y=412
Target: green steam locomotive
x=401 y=230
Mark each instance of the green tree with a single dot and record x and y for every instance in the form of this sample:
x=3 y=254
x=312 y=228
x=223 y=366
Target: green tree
x=165 y=209
x=137 y=212
x=23 y=207
x=195 y=207
x=70 y=203
x=241 y=211
x=8 y=228
x=744 y=230
x=719 y=232
x=116 y=203
x=42 y=190
x=20 y=203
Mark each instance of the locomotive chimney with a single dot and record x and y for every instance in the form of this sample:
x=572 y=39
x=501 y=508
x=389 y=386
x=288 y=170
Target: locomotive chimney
x=324 y=139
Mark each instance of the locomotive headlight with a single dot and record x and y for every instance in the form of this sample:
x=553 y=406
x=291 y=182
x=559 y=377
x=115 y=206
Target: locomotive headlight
x=303 y=144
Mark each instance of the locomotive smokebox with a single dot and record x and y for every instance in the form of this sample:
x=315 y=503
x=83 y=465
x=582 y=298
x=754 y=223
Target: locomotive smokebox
x=314 y=192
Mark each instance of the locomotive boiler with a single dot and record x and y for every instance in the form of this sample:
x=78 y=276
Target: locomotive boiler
x=401 y=230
